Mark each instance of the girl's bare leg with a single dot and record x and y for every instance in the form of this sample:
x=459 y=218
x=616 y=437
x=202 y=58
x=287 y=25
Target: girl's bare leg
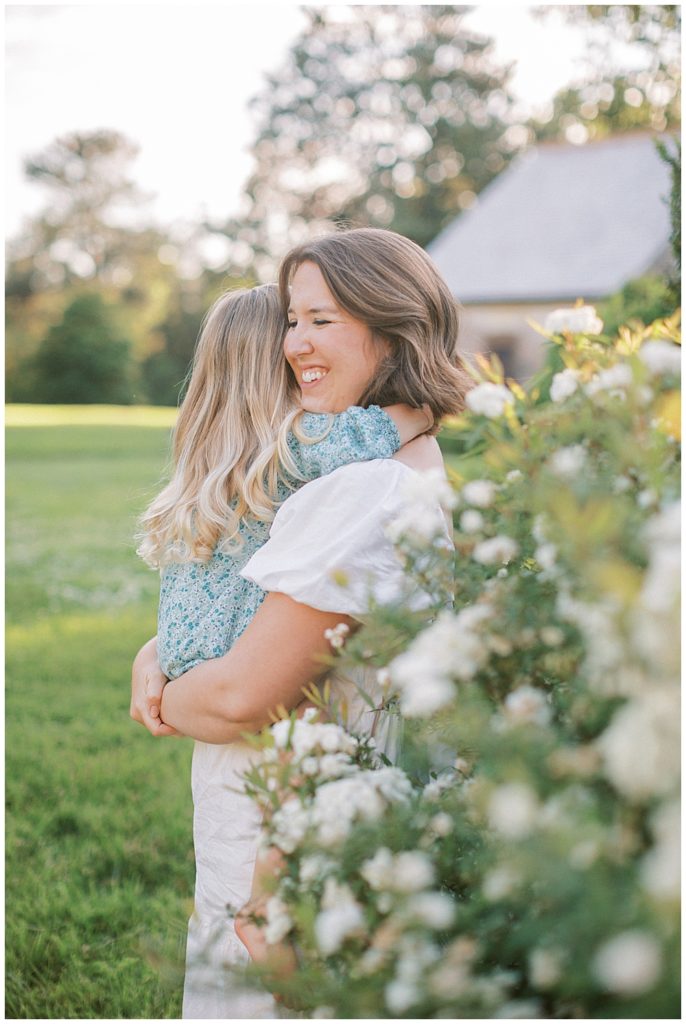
x=278 y=958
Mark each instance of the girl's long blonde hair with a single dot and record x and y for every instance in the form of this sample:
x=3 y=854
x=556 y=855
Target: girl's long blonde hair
x=230 y=440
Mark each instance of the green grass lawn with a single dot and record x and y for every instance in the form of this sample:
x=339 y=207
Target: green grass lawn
x=99 y=866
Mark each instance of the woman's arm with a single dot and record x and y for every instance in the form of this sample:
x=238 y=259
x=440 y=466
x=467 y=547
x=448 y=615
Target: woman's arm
x=280 y=652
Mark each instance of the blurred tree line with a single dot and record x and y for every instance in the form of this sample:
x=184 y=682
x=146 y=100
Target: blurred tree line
x=385 y=116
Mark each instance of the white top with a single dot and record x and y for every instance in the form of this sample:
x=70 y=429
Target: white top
x=328 y=547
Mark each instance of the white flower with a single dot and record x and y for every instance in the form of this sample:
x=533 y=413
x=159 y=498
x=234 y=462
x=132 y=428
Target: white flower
x=646 y=498
x=340 y=918
x=332 y=766
x=450 y=648
x=421 y=518
x=546 y=556
x=383 y=677
x=512 y=810
x=552 y=636
x=495 y=551
x=579 y=320
x=661 y=866
x=430 y=487
x=337 y=635
x=361 y=796
x=499 y=882
x=616 y=380
x=419 y=524
x=629 y=964
x=538 y=530
x=489 y=399
x=621 y=484
x=434 y=789
x=661 y=356
x=290 y=824
x=309 y=765
x=303 y=736
x=471 y=521
x=605 y=648
x=545 y=967
x=416 y=952
x=411 y=872
x=665 y=527
x=527 y=704
x=434 y=909
x=449 y=981
x=406 y=872
x=513 y=476
x=584 y=854
x=313 y=868
x=641 y=746
x=479 y=493
x=392 y=783
x=441 y=824
x=564 y=384
x=421 y=692
x=279 y=921
x=281 y=732
x=370 y=961
x=400 y=995
x=384 y=903
x=568 y=462
x=376 y=871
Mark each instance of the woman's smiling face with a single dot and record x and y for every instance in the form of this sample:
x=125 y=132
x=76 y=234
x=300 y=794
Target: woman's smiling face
x=333 y=355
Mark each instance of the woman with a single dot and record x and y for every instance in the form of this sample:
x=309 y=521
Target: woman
x=381 y=291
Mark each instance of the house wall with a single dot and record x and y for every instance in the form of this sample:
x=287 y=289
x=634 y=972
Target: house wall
x=504 y=329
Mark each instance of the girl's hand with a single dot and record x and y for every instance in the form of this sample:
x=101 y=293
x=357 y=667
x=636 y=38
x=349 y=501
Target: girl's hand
x=410 y=422
x=147 y=683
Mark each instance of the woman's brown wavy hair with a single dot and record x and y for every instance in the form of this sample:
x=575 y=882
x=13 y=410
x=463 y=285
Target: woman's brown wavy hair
x=391 y=285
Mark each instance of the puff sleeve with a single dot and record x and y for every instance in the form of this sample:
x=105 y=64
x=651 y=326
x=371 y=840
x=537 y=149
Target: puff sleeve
x=328 y=546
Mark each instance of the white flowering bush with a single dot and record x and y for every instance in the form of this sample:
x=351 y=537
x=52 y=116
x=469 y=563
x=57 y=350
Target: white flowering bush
x=523 y=860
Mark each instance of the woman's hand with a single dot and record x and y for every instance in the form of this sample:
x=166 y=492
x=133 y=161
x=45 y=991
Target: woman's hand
x=147 y=683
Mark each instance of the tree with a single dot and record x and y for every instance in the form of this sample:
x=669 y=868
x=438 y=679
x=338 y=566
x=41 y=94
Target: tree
x=83 y=358
x=673 y=160
x=644 y=299
x=91 y=230
x=390 y=116
x=655 y=28
x=616 y=97
x=82 y=231
x=165 y=370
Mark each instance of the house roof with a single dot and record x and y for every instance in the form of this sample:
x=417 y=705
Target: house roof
x=561 y=222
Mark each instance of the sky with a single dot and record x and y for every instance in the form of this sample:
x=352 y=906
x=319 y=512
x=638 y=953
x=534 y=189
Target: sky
x=177 y=80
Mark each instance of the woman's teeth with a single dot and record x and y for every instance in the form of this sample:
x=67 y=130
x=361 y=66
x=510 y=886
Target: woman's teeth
x=310 y=375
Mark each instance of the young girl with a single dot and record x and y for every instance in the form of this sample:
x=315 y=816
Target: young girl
x=241 y=446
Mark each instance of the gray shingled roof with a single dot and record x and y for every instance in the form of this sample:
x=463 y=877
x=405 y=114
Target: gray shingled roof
x=561 y=222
